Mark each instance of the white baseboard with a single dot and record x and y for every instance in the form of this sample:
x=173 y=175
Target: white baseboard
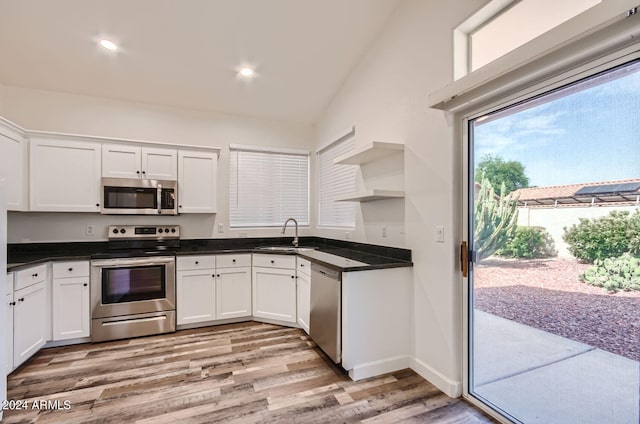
x=383 y=366
x=450 y=387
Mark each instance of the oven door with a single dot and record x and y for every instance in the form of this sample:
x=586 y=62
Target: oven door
x=132 y=286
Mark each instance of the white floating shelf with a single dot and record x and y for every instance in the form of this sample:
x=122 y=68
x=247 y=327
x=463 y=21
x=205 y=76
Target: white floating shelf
x=370 y=195
x=371 y=151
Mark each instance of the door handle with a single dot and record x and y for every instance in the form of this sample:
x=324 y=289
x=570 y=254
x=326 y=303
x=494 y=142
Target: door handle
x=464 y=259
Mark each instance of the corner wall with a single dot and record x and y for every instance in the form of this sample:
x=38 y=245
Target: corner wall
x=85 y=115
x=386 y=98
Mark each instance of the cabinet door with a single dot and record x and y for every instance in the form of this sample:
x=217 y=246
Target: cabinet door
x=274 y=294
x=9 y=328
x=197 y=179
x=30 y=321
x=13 y=167
x=70 y=308
x=121 y=161
x=159 y=163
x=233 y=295
x=64 y=175
x=304 y=301
x=195 y=296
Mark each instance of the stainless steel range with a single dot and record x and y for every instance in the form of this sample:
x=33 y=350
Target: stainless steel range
x=133 y=288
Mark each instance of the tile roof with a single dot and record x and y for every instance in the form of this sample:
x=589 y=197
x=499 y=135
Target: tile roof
x=566 y=194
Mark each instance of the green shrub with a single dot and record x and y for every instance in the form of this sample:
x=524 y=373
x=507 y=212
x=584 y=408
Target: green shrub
x=530 y=243
x=606 y=237
x=622 y=273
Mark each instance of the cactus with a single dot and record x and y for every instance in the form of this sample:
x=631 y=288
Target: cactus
x=494 y=219
x=622 y=273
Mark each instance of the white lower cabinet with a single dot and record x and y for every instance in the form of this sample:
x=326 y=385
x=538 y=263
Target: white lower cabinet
x=233 y=292
x=9 y=323
x=274 y=287
x=70 y=301
x=70 y=308
x=212 y=288
x=303 y=280
x=30 y=320
x=195 y=296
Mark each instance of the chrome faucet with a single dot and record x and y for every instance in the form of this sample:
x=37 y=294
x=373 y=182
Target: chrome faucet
x=284 y=227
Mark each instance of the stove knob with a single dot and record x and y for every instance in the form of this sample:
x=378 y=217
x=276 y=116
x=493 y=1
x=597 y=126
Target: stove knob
x=166 y=230
x=115 y=231
x=122 y=231
x=173 y=230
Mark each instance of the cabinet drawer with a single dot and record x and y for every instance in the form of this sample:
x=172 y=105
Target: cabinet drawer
x=304 y=266
x=30 y=276
x=274 y=261
x=195 y=262
x=231 y=261
x=9 y=286
x=70 y=269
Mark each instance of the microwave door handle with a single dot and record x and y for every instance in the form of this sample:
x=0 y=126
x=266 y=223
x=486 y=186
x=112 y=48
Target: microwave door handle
x=159 y=194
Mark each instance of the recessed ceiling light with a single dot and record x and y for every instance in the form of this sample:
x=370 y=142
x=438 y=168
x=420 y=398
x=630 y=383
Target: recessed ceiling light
x=109 y=45
x=246 y=72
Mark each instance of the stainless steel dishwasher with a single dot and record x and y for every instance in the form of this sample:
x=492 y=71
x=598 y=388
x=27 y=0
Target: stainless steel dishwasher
x=326 y=310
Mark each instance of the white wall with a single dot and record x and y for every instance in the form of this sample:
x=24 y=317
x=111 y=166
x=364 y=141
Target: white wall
x=66 y=113
x=556 y=219
x=386 y=99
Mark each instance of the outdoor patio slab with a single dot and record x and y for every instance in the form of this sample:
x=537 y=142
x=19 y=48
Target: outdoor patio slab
x=560 y=381
x=504 y=348
x=592 y=388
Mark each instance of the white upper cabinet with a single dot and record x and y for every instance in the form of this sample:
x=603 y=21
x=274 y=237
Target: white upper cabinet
x=130 y=161
x=13 y=169
x=64 y=174
x=197 y=180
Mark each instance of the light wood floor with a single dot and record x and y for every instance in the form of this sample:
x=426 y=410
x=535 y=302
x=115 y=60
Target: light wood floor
x=238 y=373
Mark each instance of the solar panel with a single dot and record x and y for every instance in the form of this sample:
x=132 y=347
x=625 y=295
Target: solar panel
x=608 y=189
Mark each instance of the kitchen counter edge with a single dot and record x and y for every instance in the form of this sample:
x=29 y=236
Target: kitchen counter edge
x=392 y=263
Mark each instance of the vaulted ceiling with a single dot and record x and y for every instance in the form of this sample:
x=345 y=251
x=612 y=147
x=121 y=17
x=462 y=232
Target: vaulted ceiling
x=186 y=53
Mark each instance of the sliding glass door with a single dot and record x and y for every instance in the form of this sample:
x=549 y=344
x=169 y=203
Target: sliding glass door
x=554 y=232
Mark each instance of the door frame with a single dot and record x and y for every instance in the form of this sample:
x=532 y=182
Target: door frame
x=462 y=119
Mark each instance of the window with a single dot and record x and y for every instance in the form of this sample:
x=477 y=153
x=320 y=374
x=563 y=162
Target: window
x=267 y=186
x=335 y=181
x=504 y=25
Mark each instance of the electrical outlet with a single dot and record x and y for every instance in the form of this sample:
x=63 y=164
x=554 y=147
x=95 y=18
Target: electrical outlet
x=221 y=228
x=384 y=231
x=440 y=234
x=90 y=230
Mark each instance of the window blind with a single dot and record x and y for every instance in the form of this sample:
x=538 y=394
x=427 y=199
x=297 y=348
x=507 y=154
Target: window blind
x=267 y=187
x=334 y=181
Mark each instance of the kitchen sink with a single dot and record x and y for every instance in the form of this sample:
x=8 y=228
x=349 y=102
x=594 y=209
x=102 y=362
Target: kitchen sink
x=285 y=249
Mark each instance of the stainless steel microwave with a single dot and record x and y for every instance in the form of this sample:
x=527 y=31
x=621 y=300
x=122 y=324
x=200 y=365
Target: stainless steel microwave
x=124 y=196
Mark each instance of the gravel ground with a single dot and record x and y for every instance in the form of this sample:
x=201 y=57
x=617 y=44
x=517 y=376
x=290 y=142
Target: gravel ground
x=547 y=294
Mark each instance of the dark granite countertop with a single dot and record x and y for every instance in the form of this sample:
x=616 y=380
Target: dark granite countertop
x=336 y=254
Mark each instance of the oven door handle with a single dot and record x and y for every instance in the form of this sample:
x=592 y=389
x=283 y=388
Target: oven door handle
x=119 y=263
x=159 y=197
